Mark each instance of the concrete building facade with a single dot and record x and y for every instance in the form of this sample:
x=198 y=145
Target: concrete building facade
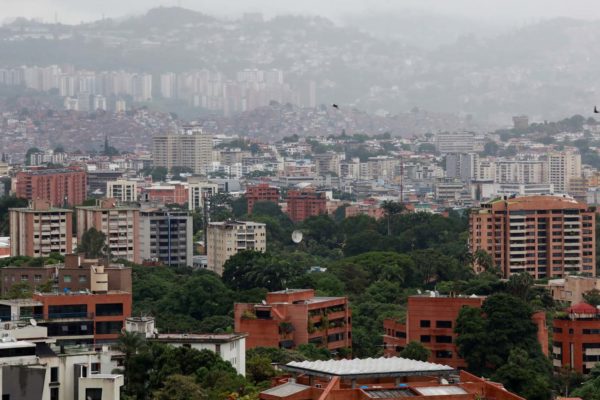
x=292 y=317
x=227 y=238
x=40 y=229
x=166 y=236
x=60 y=187
x=545 y=236
x=123 y=190
x=120 y=224
x=261 y=192
x=191 y=148
x=305 y=203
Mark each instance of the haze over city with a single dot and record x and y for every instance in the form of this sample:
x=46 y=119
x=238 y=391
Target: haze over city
x=309 y=200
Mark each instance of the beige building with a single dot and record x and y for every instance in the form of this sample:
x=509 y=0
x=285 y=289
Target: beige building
x=197 y=190
x=191 y=148
x=120 y=224
x=122 y=190
x=561 y=167
x=40 y=229
x=572 y=287
x=227 y=238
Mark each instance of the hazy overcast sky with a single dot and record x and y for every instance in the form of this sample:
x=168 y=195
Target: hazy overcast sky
x=73 y=11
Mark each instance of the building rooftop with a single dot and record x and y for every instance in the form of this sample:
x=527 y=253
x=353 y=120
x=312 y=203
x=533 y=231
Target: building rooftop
x=51 y=171
x=285 y=390
x=80 y=293
x=21 y=303
x=368 y=368
x=199 y=337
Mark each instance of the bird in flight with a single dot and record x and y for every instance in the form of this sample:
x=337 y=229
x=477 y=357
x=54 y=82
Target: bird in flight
x=335 y=106
x=596 y=110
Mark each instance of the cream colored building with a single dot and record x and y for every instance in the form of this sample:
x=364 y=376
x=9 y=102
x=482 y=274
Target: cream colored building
x=572 y=287
x=227 y=238
x=123 y=190
x=38 y=230
x=561 y=167
x=191 y=148
x=197 y=190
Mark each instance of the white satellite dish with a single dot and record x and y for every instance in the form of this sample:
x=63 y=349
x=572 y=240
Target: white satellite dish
x=33 y=322
x=297 y=236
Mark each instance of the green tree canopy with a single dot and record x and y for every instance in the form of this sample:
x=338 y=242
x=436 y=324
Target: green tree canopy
x=93 y=243
x=415 y=351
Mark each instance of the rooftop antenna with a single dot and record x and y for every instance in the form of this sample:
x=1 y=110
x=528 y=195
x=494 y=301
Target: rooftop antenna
x=33 y=322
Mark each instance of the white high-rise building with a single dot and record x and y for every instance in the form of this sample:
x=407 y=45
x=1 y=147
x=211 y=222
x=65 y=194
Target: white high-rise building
x=197 y=191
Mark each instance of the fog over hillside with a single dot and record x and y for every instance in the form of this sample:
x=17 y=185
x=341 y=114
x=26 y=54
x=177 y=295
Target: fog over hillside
x=386 y=59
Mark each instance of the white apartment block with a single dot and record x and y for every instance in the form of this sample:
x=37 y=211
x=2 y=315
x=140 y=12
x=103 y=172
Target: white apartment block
x=123 y=190
x=198 y=191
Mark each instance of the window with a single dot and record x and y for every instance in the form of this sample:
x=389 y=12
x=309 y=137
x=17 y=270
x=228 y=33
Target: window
x=443 y=324
x=82 y=279
x=54 y=393
x=68 y=311
x=443 y=354
x=425 y=338
x=93 y=394
x=109 y=309
x=54 y=374
x=109 y=327
x=67 y=279
x=37 y=278
x=24 y=278
x=443 y=339
x=95 y=368
x=425 y=323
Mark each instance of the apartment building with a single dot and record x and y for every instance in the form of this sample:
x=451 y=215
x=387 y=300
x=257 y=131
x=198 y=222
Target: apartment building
x=431 y=319
x=380 y=378
x=40 y=229
x=123 y=190
x=261 y=192
x=304 y=203
x=120 y=224
x=519 y=171
x=561 y=167
x=292 y=317
x=61 y=187
x=545 y=236
x=576 y=338
x=199 y=191
x=166 y=236
x=431 y=322
x=191 y=148
x=327 y=164
x=227 y=238
x=83 y=317
x=74 y=275
x=457 y=142
x=571 y=288
x=165 y=193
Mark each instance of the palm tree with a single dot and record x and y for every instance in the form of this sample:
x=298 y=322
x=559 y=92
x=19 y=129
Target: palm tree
x=129 y=343
x=391 y=208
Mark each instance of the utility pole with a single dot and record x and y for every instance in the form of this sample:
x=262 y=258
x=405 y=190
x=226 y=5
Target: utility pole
x=205 y=205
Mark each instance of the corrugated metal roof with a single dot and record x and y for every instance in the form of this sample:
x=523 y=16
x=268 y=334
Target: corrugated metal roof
x=369 y=366
x=287 y=389
x=440 y=390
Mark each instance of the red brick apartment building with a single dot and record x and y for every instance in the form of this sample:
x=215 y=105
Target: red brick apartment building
x=431 y=321
x=292 y=317
x=64 y=186
x=77 y=317
x=305 y=203
x=74 y=275
x=546 y=236
x=576 y=338
x=380 y=378
x=261 y=192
